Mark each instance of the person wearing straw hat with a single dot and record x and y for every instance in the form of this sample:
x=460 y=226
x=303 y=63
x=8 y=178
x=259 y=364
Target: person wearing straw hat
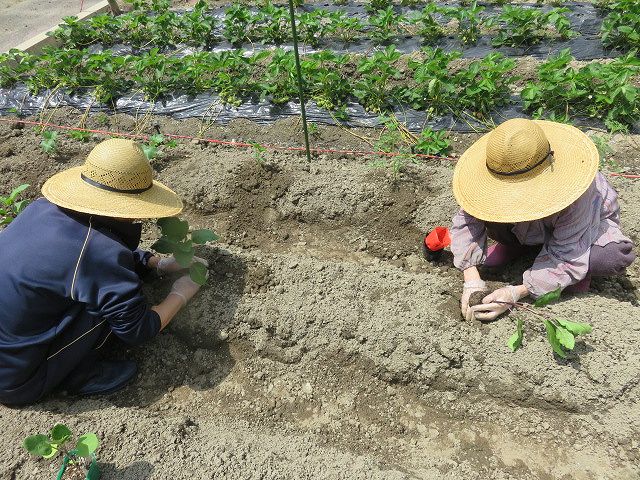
x=534 y=185
x=70 y=277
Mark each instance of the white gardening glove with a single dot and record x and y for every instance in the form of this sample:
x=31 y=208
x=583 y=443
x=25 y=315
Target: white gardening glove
x=185 y=288
x=171 y=265
x=492 y=306
x=470 y=286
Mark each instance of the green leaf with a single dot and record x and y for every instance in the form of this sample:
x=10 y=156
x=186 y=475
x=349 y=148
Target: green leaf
x=516 y=339
x=575 y=327
x=184 y=258
x=18 y=190
x=174 y=228
x=59 y=434
x=38 y=445
x=547 y=298
x=198 y=273
x=203 y=236
x=53 y=453
x=150 y=151
x=565 y=338
x=553 y=340
x=87 y=444
x=164 y=245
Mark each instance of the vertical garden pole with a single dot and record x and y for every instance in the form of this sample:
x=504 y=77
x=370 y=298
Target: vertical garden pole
x=300 y=83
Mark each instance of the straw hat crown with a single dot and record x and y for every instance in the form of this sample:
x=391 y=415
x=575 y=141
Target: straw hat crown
x=516 y=146
x=120 y=165
x=524 y=170
x=116 y=180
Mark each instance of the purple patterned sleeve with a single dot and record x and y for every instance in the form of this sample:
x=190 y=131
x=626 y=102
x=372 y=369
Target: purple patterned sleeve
x=564 y=259
x=468 y=240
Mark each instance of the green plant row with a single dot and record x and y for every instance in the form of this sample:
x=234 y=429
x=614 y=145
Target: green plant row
x=430 y=81
x=269 y=24
x=621 y=26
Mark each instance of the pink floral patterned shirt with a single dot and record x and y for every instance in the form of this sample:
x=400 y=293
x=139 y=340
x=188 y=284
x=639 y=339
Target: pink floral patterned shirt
x=566 y=238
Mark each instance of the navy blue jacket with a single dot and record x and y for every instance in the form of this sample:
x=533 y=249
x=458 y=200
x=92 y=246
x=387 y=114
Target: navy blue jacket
x=57 y=266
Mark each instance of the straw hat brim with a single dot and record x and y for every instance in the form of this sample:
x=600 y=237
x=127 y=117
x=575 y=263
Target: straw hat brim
x=543 y=191
x=67 y=190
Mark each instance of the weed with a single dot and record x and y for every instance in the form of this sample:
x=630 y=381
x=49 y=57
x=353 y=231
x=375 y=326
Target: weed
x=178 y=239
x=80 y=135
x=314 y=130
x=432 y=142
x=11 y=206
x=605 y=150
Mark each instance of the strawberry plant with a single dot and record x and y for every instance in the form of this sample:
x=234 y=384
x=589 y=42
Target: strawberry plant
x=561 y=333
x=470 y=23
x=524 y=26
x=432 y=142
x=179 y=240
x=427 y=25
x=374 y=89
x=597 y=90
x=78 y=462
x=385 y=25
x=376 y=5
x=434 y=90
x=345 y=27
x=621 y=27
x=327 y=83
x=11 y=206
x=272 y=24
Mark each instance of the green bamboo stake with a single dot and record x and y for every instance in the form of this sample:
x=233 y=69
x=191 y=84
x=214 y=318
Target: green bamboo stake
x=300 y=83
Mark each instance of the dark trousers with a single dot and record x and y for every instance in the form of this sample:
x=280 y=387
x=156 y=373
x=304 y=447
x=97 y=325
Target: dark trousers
x=67 y=363
x=610 y=259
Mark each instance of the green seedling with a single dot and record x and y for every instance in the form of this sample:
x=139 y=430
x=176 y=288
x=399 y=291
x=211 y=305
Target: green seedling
x=152 y=148
x=11 y=206
x=259 y=153
x=314 y=130
x=80 y=135
x=78 y=462
x=49 y=143
x=561 y=333
x=432 y=142
x=179 y=240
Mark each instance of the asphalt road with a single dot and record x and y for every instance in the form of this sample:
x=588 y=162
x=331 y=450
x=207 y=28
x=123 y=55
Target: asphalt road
x=22 y=19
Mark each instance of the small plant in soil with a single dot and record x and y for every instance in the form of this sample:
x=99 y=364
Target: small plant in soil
x=80 y=135
x=259 y=153
x=605 y=150
x=11 y=206
x=49 y=143
x=78 y=462
x=179 y=240
x=561 y=333
x=432 y=142
x=155 y=145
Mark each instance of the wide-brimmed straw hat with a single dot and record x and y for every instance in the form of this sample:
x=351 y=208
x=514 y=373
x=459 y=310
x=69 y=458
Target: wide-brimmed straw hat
x=116 y=180
x=524 y=170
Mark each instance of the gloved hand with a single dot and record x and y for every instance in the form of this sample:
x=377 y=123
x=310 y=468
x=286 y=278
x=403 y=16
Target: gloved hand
x=171 y=265
x=185 y=288
x=470 y=286
x=492 y=306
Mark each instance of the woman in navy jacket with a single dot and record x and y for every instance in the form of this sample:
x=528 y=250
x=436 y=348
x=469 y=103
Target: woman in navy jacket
x=70 y=277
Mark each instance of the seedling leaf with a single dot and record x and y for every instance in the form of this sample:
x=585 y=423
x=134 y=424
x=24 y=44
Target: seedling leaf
x=547 y=298
x=565 y=337
x=174 y=228
x=203 y=236
x=59 y=434
x=575 y=328
x=198 y=273
x=164 y=245
x=18 y=190
x=516 y=339
x=553 y=340
x=38 y=445
x=87 y=444
x=183 y=258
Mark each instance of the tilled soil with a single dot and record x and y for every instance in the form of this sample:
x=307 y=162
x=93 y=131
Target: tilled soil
x=325 y=346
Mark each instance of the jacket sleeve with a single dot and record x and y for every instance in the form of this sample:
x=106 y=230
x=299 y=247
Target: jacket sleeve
x=468 y=241
x=140 y=259
x=564 y=258
x=107 y=283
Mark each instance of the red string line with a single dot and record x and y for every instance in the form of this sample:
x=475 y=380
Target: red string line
x=250 y=145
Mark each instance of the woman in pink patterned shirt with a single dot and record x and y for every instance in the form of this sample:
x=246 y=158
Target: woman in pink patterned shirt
x=535 y=184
